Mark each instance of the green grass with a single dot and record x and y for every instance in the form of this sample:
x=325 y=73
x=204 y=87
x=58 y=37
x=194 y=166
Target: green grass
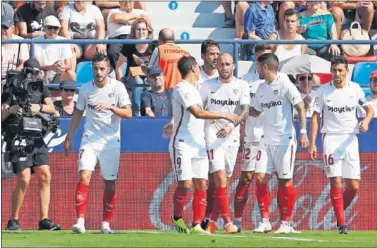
x=173 y=239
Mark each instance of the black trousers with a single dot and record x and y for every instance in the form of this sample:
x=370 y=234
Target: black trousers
x=113 y=50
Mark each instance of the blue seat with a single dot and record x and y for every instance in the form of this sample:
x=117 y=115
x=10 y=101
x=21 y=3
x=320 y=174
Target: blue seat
x=362 y=71
x=84 y=72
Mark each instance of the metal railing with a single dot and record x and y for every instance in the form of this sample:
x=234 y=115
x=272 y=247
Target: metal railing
x=234 y=42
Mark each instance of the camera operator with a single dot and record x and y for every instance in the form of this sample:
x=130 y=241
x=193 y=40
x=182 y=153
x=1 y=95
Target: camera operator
x=35 y=161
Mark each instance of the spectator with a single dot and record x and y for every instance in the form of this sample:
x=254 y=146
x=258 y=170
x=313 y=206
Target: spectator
x=55 y=59
x=12 y=55
x=66 y=105
x=259 y=23
x=59 y=6
x=166 y=55
x=305 y=83
x=317 y=23
x=349 y=10
x=106 y=6
x=288 y=32
x=17 y=4
x=81 y=20
x=135 y=55
x=228 y=15
x=210 y=51
x=29 y=18
x=119 y=24
x=375 y=14
x=156 y=102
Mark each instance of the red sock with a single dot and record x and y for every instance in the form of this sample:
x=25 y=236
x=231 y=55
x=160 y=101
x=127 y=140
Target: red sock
x=223 y=202
x=287 y=197
x=199 y=205
x=263 y=197
x=81 y=199
x=348 y=196
x=240 y=199
x=109 y=202
x=211 y=196
x=215 y=210
x=337 y=203
x=180 y=199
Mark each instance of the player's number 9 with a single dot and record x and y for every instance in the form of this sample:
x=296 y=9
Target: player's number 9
x=179 y=162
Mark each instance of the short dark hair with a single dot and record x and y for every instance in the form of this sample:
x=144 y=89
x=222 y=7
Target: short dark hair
x=208 y=43
x=339 y=60
x=291 y=12
x=271 y=60
x=261 y=47
x=185 y=65
x=99 y=57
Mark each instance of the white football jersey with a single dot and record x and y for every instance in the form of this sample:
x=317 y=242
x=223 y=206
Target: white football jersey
x=187 y=128
x=338 y=108
x=204 y=77
x=253 y=125
x=104 y=125
x=224 y=98
x=276 y=101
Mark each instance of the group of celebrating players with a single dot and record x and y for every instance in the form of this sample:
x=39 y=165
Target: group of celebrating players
x=205 y=138
x=209 y=106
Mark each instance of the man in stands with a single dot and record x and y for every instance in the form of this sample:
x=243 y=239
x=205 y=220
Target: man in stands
x=210 y=51
x=55 y=59
x=230 y=95
x=157 y=101
x=337 y=102
x=106 y=102
x=12 y=55
x=253 y=131
x=187 y=146
x=167 y=55
x=275 y=99
x=29 y=18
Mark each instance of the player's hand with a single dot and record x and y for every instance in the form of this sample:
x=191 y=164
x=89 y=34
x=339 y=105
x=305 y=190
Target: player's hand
x=15 y=109
x=235 y=119
x=313 y=152
x=167 y=131
x=67 y=145
x=363 y=127
x=303 y=140
x=223 y=132
x=102 y=106
x=35 y=108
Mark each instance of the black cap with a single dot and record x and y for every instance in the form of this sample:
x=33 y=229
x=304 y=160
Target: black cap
x=68 y=84
x=154 y=71
x=32 y=64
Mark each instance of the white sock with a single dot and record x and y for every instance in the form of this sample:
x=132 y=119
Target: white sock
x=81 y=221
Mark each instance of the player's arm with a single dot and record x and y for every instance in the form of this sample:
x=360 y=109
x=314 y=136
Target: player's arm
x=199 y=113
x=313 y=135
x=364 y=124
x=244 y=102
x=253 y=112
x=124 y=112
x=244 y=113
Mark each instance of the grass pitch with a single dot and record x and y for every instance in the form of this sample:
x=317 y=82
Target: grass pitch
x=174 y=239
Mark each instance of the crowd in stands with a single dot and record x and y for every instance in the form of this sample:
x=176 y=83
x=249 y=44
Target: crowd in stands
x=146 y=69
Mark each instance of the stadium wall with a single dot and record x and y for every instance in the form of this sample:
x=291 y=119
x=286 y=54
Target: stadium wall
x=146 y=185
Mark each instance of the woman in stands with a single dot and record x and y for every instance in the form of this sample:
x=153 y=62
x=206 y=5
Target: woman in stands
x=135 y=55
x=317 y=23
x=119 y=22
x=66 y=105
x=288 y=32
x=82 y=20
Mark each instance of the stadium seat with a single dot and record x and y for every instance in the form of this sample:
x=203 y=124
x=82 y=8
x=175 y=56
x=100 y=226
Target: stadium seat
x=361 y=72
x=84 y=72
x=354 y=60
